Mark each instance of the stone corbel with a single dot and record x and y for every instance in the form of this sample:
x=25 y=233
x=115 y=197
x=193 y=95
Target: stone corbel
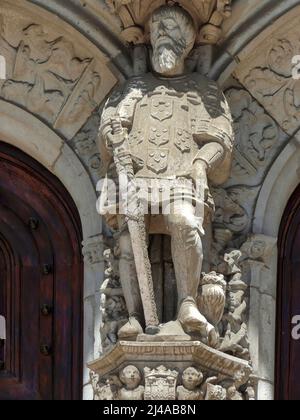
x=161 y=371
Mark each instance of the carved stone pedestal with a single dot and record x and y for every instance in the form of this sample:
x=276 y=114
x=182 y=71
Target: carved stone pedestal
x=187 y=370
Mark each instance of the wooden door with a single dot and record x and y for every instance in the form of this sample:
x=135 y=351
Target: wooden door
x=288 y=297
x=41 y=276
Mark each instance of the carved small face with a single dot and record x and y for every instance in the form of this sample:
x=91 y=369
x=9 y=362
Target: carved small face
x=224 y=7
x=235 y=300
x=131 y=377
x=172 y=38
x=257 y=249
x=191 y=378
x=280 y=58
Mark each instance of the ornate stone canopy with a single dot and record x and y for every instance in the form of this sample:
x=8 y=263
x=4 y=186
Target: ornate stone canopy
x=208 y=16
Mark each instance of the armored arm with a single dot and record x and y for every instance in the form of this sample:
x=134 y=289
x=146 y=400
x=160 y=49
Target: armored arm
x=215 y=136
x=120 y=104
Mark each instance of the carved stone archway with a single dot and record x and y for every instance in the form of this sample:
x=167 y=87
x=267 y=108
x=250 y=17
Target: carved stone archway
x=21 y=129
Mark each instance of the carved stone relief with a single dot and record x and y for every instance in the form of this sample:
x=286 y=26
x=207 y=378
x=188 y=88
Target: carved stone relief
x=93 y=250
x=267 y=73
x=113 y=309
x=257 y=138
x=48 y=73
x=234 y=208
x=84 y=144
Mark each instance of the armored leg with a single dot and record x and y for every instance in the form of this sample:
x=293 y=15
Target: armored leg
x=185 y=229
x=187 y=250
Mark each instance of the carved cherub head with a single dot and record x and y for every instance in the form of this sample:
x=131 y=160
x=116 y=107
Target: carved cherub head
x=192 y=378
x=234 y=394
x=173 y=35
x=254 y=248
x=130 y=377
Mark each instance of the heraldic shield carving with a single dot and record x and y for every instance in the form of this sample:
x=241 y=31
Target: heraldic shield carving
x=162 y=108
x=158 y=160
x=160 y=384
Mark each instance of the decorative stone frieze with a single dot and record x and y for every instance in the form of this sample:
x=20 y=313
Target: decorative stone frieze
x=268 y=71
x=50 y=73
x=257 y=137
x=113 y=307
x=174 y=371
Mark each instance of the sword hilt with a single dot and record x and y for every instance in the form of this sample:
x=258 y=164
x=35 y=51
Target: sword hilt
x=116 y=125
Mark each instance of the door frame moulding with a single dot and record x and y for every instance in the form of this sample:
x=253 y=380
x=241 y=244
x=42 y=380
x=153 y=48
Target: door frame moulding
x=24 y=131
x=287 y=285
x=277 y=189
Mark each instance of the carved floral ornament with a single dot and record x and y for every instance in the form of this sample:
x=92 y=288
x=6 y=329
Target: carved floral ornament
x=208 y=16
x=268 y=70
x=48 y=73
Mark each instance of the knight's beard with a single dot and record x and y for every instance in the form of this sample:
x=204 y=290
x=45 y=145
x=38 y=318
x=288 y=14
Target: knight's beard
x=165 y=60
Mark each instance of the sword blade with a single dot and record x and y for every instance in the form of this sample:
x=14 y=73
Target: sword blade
x=143 y=268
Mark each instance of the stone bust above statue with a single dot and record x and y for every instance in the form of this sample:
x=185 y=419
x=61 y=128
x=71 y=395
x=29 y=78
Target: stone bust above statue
x=167 y=126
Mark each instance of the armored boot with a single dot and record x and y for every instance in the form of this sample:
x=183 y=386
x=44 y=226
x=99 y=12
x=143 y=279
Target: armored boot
x=193 y=321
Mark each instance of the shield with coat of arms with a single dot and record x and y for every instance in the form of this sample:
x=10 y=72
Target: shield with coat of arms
x=183 y=140
x=158 y=160
x=162 y=108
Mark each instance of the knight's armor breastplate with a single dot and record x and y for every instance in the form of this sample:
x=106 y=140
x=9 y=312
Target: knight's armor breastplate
x=161 y=139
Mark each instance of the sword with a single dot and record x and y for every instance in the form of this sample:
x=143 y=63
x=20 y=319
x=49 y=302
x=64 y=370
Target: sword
x=136 y=225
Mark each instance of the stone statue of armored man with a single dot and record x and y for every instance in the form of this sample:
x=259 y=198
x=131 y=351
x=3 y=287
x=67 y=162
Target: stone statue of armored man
x=179 y=128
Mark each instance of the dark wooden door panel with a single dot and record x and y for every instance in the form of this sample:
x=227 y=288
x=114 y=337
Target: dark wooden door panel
x=288 y=298
x=41 y=282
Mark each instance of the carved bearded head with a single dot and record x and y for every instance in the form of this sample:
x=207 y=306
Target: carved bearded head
x=173 y=35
